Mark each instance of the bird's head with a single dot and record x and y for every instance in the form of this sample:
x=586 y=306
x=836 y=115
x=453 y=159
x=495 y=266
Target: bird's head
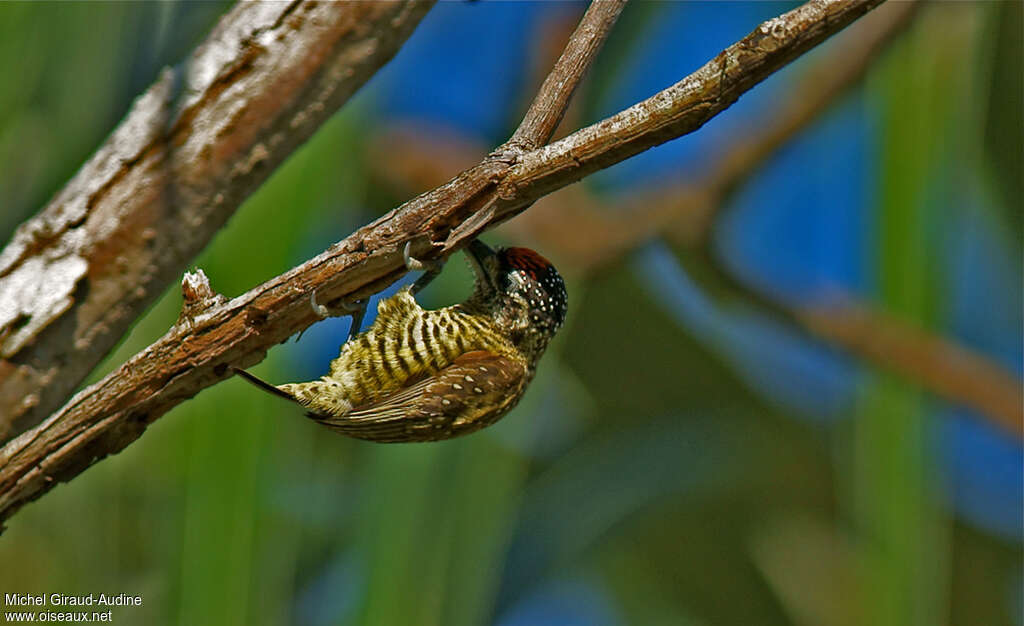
x=521 y=291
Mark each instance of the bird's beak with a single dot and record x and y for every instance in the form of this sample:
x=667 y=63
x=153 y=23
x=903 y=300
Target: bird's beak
x=480 y=256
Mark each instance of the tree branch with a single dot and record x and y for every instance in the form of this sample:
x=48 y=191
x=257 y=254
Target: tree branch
x=552 y=99
x=197 y=352
x=192 y=148
x=685 y=211
x=934 y=363
x=688 y=212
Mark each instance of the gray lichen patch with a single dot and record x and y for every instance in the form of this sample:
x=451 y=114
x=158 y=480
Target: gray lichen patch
x=36 y=293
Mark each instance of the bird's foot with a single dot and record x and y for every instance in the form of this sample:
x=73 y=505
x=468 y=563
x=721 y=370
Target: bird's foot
x=357 y=309
x=430 y=269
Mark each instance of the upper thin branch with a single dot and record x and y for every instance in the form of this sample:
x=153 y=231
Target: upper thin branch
x=683 y=107
x=686 y=211
x=192 y=148
x=110 y=414
x=552 y=99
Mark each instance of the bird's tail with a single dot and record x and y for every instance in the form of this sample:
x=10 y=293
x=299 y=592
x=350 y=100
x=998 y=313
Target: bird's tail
x=262 y=384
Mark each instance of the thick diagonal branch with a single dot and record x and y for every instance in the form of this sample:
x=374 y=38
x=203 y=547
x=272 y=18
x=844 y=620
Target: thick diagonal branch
x=193 y=147
x=198 y=352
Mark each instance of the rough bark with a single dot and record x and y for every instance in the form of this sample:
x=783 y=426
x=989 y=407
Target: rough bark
x=192 y=148
x=198 y=351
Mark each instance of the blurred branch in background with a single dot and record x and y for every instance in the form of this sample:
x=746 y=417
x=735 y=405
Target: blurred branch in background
x=109 y=415
x=194 y=146
x=687 y=213
x=937 y=364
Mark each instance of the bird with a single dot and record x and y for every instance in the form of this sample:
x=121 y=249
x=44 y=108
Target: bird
x=428 y=375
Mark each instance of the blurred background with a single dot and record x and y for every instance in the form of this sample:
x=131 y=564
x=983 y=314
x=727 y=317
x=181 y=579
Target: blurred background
x=701 y=445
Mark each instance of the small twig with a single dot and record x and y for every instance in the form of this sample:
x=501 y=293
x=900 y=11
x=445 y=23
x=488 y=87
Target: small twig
x=552 y=99
x=109 y=415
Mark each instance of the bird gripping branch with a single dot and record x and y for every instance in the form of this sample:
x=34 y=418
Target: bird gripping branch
x=419 y=375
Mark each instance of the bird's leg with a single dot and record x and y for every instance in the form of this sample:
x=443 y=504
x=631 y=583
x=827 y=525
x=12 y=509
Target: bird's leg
x=430 y=269
x=356 y=309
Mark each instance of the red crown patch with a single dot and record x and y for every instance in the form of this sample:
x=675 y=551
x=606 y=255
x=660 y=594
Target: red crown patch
x=527 y=260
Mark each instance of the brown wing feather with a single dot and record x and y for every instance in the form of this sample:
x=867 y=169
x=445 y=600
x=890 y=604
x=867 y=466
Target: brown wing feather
x=474 y=391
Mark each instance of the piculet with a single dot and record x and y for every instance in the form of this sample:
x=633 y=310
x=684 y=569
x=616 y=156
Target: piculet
x=419 y=375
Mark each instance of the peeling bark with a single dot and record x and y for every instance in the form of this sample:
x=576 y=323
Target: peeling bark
x=190 y=151
x=105 y=417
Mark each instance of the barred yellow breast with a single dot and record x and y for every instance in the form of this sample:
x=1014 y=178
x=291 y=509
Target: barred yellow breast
x=405 y=343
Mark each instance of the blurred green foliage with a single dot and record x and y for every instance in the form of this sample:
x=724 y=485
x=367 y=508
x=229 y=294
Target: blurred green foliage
x=639 y=463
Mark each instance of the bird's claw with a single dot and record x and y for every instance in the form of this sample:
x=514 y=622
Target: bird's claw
x=430 y=269
x=318 y=309
x=417 y=265
x=345 y=308
x=356 y=309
